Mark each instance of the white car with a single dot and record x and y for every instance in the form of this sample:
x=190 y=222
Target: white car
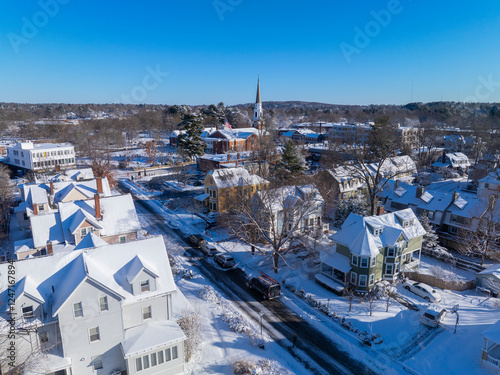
x=209 y=249
x=422 y=290
x=433 y=316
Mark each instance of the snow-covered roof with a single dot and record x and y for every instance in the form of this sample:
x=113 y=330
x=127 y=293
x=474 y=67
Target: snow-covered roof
x=357 y=232
x=492 y=270
x=493 y=333
x=454 y=159
x=231 y=177
x=148 y=337
x=288 y=196
x=90 y=241
x=27 y=286
x=136 y=267
x=336 y=260
x=55 y=278
x=46 y=228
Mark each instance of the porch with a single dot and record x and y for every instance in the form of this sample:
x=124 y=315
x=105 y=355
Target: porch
x=490 y=354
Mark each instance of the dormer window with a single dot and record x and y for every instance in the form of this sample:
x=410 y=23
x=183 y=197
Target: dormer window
x=145 y=286
x=28 y=312
x=377 y=231
x=407 y=223
x=85 y=231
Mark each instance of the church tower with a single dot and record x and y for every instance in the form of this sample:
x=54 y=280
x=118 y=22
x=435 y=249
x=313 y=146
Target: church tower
x=257 y=113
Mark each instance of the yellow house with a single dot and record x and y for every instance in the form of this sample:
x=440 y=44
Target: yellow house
x=224 y=186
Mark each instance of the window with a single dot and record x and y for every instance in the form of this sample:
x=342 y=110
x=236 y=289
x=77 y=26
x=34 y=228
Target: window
x=362 y=280
x=44 y=337
x=103 y=303
x=354 y=259
x=174 y=353
x=364 y=262
x=138 y=364
x=168 y=355
x=390 y=252
x=145 y=361
x=144 y=286
x=78 y=310
x=453 y=230
x=389 y=269
x=373 y=262
x=94 y=334
x=372 y=279
x=377 y=232
x=28 y=312
x=40 y=207
x=160 y=357
x=146 y=312
x=326 y=269
x=97 y=362
x=153 y=359
x=123 y=239
x=407 y=223
x=354 y=278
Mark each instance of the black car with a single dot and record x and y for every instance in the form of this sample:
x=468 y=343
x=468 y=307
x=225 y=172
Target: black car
x=197 y=240
x=266 y=285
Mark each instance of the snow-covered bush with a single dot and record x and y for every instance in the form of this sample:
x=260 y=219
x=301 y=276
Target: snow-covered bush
x=243 y=367
x=190 y=324
x=207 y=293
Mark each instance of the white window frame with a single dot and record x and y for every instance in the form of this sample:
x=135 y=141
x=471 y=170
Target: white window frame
x=387 y=267
x=354 y=276
x=105 y=302
x=364 y=259
x=97 y=360
x=373 y=261
x=452 y=230
x=122 y=239
x=363 y=280
x=389 y=249
x=372 y=279
x=28 y=314
x=98 y=333
x=377 y=231
x=355 y=263
x=175 y=352
x=138 y=364
x=145 y=282
x=75 y=310
x=147 y=312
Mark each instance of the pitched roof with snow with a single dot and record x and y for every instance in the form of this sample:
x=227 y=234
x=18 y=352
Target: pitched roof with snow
x=90 y=241
x=46 y=228
x=231 y=177
x=104 y=266
x=357 y=232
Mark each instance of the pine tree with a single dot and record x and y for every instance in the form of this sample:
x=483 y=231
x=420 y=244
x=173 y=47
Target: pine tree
x=292 y=160
x=191 y=142
x=430 y=241
x=356 y=205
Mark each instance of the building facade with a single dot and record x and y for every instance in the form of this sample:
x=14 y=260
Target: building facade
x=43 y=156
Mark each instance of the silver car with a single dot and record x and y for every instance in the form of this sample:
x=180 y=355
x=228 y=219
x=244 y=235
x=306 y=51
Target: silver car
x=422 y=290
x=433 y=316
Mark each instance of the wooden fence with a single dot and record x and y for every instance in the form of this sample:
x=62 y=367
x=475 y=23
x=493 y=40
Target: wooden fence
x=440 y=283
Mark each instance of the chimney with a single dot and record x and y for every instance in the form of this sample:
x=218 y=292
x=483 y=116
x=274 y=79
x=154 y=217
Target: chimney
x=35 y=209
x=419 y=191
x=396 y=184
x=98 y=182
x=51 y=188
x=380 y=210
x=320 y=128
x=454 y=196
x=50 y=250
x=238 y=155
x=228 y=157
x=237 y=163
x=444 y=156
x=97 y=207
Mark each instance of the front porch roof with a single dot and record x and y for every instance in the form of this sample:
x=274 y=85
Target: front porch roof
x=337 y=261
x=148 y=337
x=493 y=333
x=202 y=197
x=50 y=362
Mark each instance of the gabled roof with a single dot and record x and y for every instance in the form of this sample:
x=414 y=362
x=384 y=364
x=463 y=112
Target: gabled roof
x=135 y=267
x=493 y=332
x=81 y=216
x=46 y=228
x=28 y=287
x=90 y=241
x=231 y=177
x=357 y=231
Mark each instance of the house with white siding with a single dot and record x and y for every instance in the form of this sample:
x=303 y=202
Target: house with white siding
x=40 y=156
x=103 y=310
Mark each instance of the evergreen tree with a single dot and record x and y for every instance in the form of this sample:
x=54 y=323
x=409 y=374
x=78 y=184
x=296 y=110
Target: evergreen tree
x=430 y=241
x=292 y=160
x=191 y=142
x=356 y=205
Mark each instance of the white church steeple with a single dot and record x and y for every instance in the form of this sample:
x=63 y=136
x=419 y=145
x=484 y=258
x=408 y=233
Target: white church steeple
x=257 y=113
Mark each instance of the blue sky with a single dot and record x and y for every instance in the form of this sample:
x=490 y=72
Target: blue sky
x=99 y=52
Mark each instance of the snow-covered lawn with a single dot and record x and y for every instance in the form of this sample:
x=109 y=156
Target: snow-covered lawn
x=445 y=271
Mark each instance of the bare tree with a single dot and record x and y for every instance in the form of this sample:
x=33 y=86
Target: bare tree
x=350 y=296
x=6 y=199
x=274 y=216
x=190 y=323
x=483 y=240
x=369 y=299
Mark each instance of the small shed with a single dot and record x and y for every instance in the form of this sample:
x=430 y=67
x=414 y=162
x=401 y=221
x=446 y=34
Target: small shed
x=490 y=355
x=490 y=279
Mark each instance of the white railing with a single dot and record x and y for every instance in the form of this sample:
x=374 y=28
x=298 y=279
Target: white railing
x=495 y=361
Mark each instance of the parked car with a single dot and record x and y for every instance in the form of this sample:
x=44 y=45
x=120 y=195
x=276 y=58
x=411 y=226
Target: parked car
x=197 y=240
x=224 y=260
x=433 y=316
x=209 y=249
x=422 y=290
x=265 y=284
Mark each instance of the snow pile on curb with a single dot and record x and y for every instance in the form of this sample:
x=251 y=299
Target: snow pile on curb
x=262 y=367
x=364 y=336
x=230 y=315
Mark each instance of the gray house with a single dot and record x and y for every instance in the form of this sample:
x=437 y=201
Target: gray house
x=103 y=310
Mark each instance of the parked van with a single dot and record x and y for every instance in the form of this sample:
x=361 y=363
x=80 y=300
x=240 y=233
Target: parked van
x=265 y=284
x=433 y=316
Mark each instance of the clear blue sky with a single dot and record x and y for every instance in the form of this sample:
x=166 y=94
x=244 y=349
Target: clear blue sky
x=100 y=51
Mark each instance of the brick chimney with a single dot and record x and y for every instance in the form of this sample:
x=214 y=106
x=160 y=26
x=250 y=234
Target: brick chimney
x=228 y=157
x=237 y=163
x=380 y=210
x=97 y=207
x=396 y=184
x=51 y=188
x=238 y=155
x=35 y=209
x=454 y=197
x=419 y=192
x=98 y=182
x=50 y=250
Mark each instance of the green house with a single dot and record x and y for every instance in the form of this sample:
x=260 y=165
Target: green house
x=374 y=248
